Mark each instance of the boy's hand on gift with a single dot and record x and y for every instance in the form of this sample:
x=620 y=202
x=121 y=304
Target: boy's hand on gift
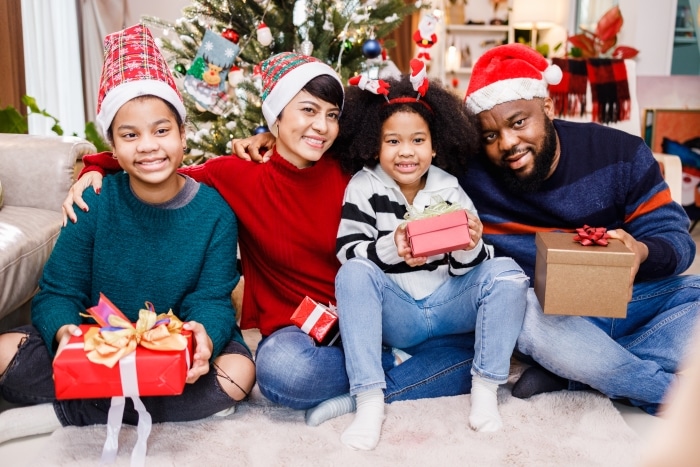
x=64 y=334
x=403 y=248
x=203 y=348
x=640 y=250
x=75 y=195
x=249 y=148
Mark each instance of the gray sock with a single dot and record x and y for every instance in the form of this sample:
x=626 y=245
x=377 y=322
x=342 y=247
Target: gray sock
x=27 y=421
x=331 y=408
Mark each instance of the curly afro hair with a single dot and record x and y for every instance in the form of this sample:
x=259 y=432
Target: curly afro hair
x=453 y=130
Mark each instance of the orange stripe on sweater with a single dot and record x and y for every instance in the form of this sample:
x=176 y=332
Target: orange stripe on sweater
x=659 y=199
x=515 y=228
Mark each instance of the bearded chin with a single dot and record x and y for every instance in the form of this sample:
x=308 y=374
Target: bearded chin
x=543 y=163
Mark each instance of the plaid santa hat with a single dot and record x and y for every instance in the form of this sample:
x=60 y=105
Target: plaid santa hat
x=507 y=73
x=283 y=76
x=133 y=66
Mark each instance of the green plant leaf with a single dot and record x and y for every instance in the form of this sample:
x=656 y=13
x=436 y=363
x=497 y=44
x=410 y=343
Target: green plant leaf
x=11 y=121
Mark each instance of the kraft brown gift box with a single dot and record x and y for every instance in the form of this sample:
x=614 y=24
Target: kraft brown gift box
x=572 y=279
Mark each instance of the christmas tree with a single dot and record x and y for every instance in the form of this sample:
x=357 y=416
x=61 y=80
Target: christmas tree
x=215 y=47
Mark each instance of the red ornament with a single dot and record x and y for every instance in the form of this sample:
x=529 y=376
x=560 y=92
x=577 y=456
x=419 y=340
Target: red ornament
x=230 y=35
x=455 y=82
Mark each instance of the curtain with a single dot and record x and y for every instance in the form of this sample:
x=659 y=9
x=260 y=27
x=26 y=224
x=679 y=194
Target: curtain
x=52 y=64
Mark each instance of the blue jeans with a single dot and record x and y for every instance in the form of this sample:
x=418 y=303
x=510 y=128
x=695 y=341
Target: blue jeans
x=294 y=371
x=633 y=358
x=489 y=300
x=28 y=380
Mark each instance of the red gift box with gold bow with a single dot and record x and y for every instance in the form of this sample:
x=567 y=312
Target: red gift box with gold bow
x=318 y=321
x=116 y=357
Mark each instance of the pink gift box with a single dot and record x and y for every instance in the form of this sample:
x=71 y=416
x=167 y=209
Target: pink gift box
x=318 y=321
x=439 y=234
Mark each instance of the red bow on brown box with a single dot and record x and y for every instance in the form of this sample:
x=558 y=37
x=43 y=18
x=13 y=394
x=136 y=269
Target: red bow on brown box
x=587 y=236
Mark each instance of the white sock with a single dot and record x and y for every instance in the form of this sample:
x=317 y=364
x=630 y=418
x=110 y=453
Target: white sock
x=226 y=412
x=365 y=429
x=28 y=421
x=484 y=414
x=399 y=356
x=331 y=408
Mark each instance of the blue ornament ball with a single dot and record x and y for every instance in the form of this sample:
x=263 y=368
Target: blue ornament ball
x=260 y=129
x=371 y=48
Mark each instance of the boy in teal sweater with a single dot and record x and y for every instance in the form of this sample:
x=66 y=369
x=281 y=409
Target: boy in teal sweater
x=158 y=237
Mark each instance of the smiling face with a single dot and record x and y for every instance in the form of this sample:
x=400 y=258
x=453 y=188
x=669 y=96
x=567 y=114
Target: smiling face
x=149 y=145
x=406 y=151
x=520 y=139
x=307 y=127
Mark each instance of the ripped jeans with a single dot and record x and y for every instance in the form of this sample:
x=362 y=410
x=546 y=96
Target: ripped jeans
x=28 y=380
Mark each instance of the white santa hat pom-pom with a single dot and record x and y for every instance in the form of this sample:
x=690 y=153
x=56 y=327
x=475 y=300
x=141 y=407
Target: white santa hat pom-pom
x=553 y=74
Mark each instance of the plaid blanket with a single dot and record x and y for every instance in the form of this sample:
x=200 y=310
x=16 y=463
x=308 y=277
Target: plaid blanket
x=610 y=94
x=569 y=95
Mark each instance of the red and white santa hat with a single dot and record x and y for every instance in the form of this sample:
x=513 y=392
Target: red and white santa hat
x=507 y=73
x=133 y=66
x=283 y=76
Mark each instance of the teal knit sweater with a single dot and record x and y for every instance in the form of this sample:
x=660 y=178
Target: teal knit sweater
x=181 y=259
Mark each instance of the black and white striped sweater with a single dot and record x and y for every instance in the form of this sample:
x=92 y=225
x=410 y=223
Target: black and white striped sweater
x=373 y=209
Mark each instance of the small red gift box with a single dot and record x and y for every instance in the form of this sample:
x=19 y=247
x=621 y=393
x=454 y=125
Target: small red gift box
x=439 y=234
x=318 y=321
x=158 y=373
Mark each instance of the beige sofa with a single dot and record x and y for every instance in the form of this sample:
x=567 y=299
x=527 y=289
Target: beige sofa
x=35 y=173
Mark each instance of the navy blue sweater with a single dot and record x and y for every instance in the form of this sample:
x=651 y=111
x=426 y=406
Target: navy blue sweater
x=605 y=178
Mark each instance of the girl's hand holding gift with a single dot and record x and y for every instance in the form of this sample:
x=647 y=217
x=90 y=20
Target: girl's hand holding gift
x=202 y=351
x=403 y=248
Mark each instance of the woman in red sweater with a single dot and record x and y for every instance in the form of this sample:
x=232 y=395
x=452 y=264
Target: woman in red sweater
x=288 y=212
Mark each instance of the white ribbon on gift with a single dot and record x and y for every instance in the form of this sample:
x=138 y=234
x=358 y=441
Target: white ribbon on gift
x=313 y=318
x=130 y=388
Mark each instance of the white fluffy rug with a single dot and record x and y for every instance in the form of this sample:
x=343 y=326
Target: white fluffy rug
x=557 y=429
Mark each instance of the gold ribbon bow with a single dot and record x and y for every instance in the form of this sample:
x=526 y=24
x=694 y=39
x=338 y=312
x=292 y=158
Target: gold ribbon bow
x=107 y=345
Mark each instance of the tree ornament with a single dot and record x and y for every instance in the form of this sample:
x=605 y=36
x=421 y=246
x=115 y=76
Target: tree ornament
x=260 y=129
x=235 y=76
x=299 y=15
x=205 y=80
x=180 y=69
x=425 y=36
x=347 y=44
x=231 y=35
x=264 y=34
x=371 y=48
x=307 y=47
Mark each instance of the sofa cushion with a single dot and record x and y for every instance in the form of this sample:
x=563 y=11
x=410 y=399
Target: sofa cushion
x=27 y=236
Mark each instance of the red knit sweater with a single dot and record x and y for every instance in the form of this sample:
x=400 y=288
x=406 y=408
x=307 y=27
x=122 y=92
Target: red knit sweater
x=288 y=222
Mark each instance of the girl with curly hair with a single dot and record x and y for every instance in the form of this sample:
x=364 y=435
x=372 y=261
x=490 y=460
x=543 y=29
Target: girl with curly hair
x=410 y=139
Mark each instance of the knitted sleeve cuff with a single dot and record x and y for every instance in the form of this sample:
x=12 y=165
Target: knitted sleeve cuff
x=661 y=260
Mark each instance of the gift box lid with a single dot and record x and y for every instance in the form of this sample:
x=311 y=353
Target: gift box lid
x=431 y=224
x=560 y=247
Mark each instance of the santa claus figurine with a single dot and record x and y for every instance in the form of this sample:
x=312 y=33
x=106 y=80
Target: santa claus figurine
x=425 y=36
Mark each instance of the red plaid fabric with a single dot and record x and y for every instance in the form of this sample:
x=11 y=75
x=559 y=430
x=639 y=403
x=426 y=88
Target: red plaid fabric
x=131 y=55
x=609 y=90
x=569 y=95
